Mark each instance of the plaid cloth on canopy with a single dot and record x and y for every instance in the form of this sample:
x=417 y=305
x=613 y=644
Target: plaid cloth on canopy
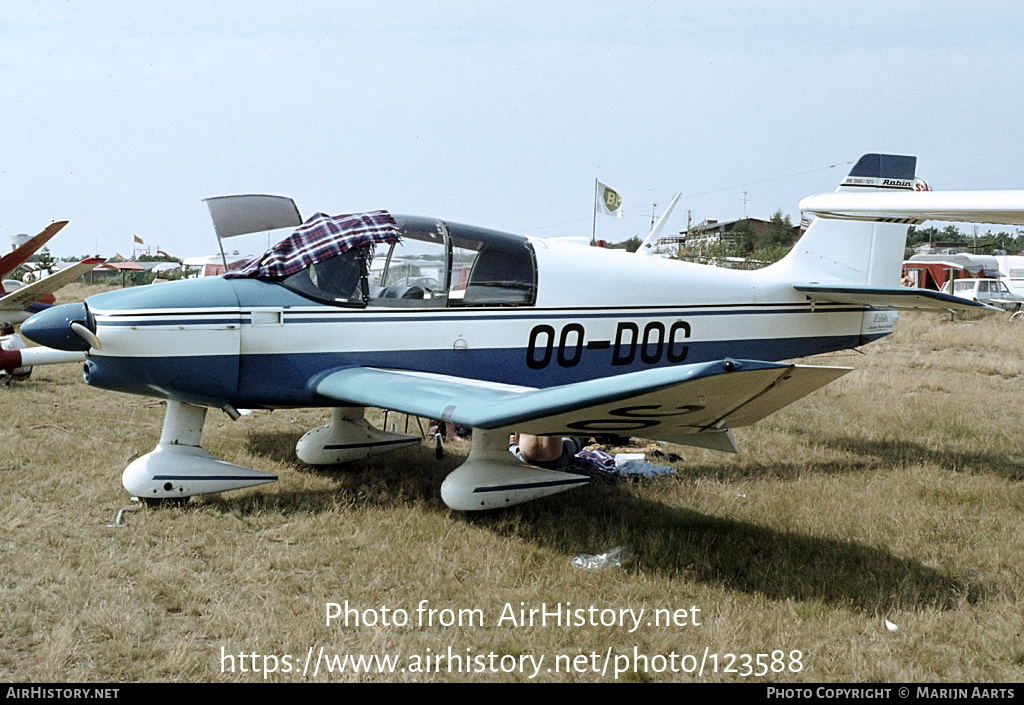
x=320 y=238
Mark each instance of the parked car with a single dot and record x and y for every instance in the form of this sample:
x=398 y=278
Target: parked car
x=988 y=291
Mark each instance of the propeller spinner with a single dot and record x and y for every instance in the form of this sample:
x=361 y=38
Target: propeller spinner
x=64 y=327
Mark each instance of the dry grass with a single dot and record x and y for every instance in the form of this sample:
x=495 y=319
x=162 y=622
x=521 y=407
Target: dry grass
x=895 y=493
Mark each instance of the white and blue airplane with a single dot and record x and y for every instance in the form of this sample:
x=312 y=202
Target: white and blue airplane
x=501 y=333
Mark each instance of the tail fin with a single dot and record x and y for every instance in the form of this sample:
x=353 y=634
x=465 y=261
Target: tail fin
x=857 y=252
x=881 y=172
x=13 y=260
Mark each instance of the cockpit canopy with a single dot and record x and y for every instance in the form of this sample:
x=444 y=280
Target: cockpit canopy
x=422 y=262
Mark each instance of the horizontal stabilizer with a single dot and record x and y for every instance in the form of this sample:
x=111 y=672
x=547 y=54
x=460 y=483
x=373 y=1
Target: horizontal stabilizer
x=886 y=297
x=998 y=207
x=668 y=404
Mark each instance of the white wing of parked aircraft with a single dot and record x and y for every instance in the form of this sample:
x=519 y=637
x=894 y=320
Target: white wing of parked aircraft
x=26 y=295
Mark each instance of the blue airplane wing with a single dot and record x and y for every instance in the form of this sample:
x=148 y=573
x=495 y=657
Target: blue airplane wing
x=670 y=404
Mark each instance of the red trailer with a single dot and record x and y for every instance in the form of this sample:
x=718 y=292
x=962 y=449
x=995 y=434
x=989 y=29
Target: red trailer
x=934 y=271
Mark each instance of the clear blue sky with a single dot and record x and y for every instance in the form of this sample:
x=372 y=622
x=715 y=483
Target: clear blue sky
x=122 y=116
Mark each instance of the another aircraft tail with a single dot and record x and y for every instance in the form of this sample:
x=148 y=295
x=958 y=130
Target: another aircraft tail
x=13 y=260
x=867 y=252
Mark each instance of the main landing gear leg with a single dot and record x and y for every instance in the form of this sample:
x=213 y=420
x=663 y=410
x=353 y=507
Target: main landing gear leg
x=178 y=467
x=492 y=477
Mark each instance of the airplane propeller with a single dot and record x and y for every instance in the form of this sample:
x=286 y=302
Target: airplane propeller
x=85 y=328
x=85 y=334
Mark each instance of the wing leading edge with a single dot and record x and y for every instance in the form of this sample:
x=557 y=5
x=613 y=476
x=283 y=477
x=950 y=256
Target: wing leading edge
x=689 y=404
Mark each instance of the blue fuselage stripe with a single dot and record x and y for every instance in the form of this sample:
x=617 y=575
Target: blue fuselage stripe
x=564 y=345
x=282 y=380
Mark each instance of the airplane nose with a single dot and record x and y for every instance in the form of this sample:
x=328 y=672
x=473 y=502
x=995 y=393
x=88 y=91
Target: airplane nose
x=52 y=328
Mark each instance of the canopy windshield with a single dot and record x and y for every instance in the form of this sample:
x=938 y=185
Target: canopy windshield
x=421 y=262
x=319 y=239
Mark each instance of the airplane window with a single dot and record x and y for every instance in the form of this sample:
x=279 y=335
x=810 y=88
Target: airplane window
x=501 y=276
x=446 y=264
x=502 y=273
x=463 y=256
x=337 y=280
x=413 y=272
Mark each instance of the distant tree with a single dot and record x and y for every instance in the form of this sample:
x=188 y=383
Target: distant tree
x=703 y=249
x=45 y=260
x=744 y=237
x=779 y=233
x=918 y=236
x=743 y=242
x=1011 y=242
x=763 y=256
x=630 y=245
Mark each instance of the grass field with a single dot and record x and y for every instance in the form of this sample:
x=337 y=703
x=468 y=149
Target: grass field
x=893 y=494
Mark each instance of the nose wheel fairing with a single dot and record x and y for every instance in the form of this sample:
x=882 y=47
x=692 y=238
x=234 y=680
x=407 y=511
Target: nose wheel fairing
x=178 y=467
